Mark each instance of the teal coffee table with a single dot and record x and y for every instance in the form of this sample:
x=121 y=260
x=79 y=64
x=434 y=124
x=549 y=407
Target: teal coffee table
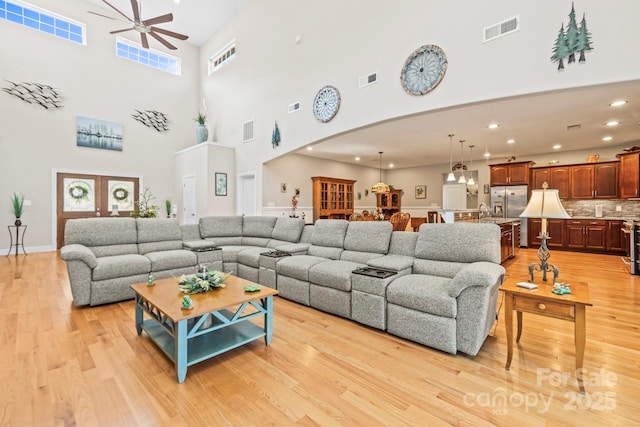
x=218 y=322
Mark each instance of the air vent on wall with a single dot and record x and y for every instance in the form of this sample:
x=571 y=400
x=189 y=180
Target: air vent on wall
x=247 y=131
x=574 y=127
x=294 y=107
x=368 y=80
x=500 y=29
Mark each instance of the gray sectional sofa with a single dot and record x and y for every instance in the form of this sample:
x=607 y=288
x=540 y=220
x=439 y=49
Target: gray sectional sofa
x=437 y=287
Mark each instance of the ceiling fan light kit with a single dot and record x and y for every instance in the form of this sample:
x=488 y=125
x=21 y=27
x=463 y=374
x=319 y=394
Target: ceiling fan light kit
x=146 y=26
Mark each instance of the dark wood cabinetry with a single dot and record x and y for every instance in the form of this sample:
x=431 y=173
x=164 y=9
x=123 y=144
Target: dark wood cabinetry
x=509 y=240
x=332 y=198
x=390 y=203
x=586 y=181
x=615 y=236
x=557 y=177
x=629 y=175
x=510 y=173
x=580 y=234
x=555 y=230
x=586 y=234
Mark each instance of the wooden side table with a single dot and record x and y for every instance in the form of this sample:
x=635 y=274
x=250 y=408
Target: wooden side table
x=543 y=302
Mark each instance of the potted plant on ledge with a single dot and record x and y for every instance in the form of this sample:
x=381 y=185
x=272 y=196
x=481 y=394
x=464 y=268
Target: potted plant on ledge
x=202 y=133
x=17 y=203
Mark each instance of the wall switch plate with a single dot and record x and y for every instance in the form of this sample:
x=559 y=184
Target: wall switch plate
x=618 y=208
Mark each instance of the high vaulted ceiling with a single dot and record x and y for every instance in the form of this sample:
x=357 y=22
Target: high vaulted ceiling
x=536 y=122
x=199 y=19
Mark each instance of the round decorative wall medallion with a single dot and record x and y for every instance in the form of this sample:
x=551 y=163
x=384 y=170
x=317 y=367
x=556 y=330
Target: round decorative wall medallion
x=326 y=103
x=423 y=70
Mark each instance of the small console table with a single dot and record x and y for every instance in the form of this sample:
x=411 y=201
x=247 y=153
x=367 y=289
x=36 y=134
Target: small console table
x=20 y=230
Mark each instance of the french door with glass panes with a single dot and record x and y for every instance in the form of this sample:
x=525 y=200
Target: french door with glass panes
x=88 y=196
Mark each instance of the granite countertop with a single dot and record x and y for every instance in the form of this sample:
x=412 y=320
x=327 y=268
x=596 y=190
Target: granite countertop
x=500 y=220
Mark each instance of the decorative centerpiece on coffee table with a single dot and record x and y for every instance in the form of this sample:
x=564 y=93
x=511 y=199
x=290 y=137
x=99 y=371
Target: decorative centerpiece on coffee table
x=197 y=283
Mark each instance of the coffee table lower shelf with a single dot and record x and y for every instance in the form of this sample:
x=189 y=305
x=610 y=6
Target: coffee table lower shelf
x=207 y=345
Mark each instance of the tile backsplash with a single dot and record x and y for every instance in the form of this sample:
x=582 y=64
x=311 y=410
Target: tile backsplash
x=587 y=208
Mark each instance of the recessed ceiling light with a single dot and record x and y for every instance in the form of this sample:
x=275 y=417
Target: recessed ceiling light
x=613 y=123
x=493 y=126
x=557 y=147
x=357 y=159
x=607 y=138
x=487 y=154
x=309 y=148
x=390 y=165
x=618 y=103
x=511 y=141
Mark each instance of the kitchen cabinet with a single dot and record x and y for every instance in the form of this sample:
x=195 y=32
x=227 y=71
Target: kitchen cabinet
x=555 y=230
x=594 y=181
x=391 y=202
x=586 y=234
x=615 y=236
x=506 y=242
x=510 y=173
x=557 y=177
x=629 y=175
x=332 y=198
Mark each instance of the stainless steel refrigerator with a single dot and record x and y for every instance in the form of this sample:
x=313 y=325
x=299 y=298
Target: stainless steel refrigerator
x=509 y=202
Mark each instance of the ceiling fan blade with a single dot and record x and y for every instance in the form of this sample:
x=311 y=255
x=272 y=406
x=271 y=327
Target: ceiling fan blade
x=163 y=41
x=169 y=33
x=159 y=19
x=120 y=31
x=145 y=42
x=105 y=16
x=136 y=10
x=114 y=8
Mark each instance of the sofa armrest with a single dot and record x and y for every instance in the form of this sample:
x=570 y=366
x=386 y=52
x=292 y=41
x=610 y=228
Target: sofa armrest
x=294 y=248
x=392 y=262
x=484 y=274
x=77 y=252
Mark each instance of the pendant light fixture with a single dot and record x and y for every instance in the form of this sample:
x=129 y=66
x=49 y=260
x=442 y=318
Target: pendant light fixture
x=451 y=177
x=380 y=187
x=462 y=179
x=471 y=180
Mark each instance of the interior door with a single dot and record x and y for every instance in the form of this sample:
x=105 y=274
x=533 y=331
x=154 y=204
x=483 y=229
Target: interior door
x=189 y=200
x=248 y=195
x=86 y=196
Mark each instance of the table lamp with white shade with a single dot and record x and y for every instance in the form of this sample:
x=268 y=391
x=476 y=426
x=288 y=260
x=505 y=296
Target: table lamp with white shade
x=544 y=204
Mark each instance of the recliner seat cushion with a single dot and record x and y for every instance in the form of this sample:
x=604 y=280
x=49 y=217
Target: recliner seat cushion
x=424 y=293
x=112 y=267
x=333 y=274
x=168 y=260
x=251 y=256
x=297 y=267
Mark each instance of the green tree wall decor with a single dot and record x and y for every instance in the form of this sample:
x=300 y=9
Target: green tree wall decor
x=577 y=38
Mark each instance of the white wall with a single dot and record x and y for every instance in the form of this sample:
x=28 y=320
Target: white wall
x=341 y=41
x=94 y=83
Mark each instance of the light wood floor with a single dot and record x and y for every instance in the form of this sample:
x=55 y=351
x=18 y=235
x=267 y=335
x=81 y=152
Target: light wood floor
x=60 y=365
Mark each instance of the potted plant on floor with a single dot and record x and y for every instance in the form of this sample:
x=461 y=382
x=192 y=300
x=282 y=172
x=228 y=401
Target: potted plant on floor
x=202 y=133
x=17 y=203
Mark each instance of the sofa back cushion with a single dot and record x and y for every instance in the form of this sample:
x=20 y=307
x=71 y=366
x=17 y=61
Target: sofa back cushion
x=104 y=236
x=459 y=242
x=307 y=234
x=368 y=236
x=329 y=233
x=158 y=234
x=288 y=229
x=403 y=243
x=258 y=226
x=221 y=226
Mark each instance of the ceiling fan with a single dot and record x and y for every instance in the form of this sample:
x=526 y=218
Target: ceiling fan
x=146 y=26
